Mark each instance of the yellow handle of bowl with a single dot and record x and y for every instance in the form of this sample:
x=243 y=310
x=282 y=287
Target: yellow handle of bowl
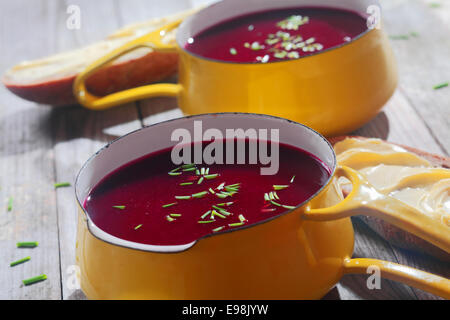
x=151 y=40
x=413 y=277
x=366 y=200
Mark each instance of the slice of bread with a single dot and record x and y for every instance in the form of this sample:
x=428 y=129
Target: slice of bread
x=49 y=80
x=394 y=235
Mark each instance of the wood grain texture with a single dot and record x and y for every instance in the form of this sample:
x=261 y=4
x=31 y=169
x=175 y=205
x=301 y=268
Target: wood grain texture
x=27 y=163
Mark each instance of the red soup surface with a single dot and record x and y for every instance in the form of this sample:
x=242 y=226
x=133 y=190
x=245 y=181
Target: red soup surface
x=277 y=34
x=152 y=201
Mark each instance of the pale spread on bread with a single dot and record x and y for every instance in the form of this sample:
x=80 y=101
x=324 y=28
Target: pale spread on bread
x=72 y=62
x=399 y=173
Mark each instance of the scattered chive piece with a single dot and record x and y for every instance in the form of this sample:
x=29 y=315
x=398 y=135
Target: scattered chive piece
x=10 y=204
x=440 y=86
x=207 y=171
x=15 y=263
x=174 y=173
x=206 y=214
x=138 y=226
x=62 y=185
x=221 y=196
x=227 y=204
x=190 y=169
x=287 y=207
x=187 y=166
x=200 y=180
x=279 y=187
x=220 y=187
x=207 y=221
x=266 y=197
x=200 y=194
x=29 y=281
x=242 y=218
x=275 y=203
x=236 y=224
x=182 y=197
x=218 y=229
x=211 y=190
x=215 y=213
x=202 y=171
x=119 y=207
x=399 y=37
x=197 y=172
x=175 y=170
x=211 y=176
x=169 y=204
x=31 y=244
x=169 y=218
x=175 y=215
x=186 y=183
x=292 y=179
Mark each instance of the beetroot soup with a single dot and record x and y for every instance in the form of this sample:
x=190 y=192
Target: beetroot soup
x=277 y=34
x=152 y=201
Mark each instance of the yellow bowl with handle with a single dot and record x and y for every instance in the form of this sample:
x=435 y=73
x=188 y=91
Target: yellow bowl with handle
x=333 y=92
x=300 y=254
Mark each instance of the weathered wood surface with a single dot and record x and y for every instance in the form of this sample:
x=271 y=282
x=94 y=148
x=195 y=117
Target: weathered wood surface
x=40 y=145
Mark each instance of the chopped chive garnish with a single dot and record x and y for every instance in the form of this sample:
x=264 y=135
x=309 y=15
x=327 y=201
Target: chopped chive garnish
x=119 y=207
x=15 y=263
x=174 y=173
x=268 y=209
x=242 y=218
x=202 y=171
x=187 y=166
x=211 y=190
x=218 y=229
x=220 y=187
x=271 y=196
x=29 y=281
x=440 y=86
x=186 y=183
x=189 y=169
x=236 y=224
x=138 y=226
x=287 y=207
x=279 y=187
x=200 y=180
x=207 y=171
x=275 y=203
x=175 y=215
x=266 y=197
x=169 y=204
x=275 y=195
x=206 y=214
x=30 y=244
x=221 y=196
x=211 y=176
x=206 y=221
x=227 y=204
x=61 y=185
x=200 y=194
x=10 y=203
x=292 y=179
x=175 y=170
x=215 y=213
x=182 y=197
x=169 y=218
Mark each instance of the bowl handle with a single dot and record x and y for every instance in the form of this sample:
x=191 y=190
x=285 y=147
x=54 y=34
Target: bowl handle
x=413 y=277
x=151 y=40
x=364 y=199
x=367 y=200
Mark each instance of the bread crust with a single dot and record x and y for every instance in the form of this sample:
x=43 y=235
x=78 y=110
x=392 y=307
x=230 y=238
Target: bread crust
x=393 y=234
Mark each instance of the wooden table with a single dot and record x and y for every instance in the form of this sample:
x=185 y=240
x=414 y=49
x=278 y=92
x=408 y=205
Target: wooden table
x=41 y=145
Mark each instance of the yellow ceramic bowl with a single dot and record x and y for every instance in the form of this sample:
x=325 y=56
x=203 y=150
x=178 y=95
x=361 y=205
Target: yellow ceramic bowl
x=333 y=92
x=298 y=255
